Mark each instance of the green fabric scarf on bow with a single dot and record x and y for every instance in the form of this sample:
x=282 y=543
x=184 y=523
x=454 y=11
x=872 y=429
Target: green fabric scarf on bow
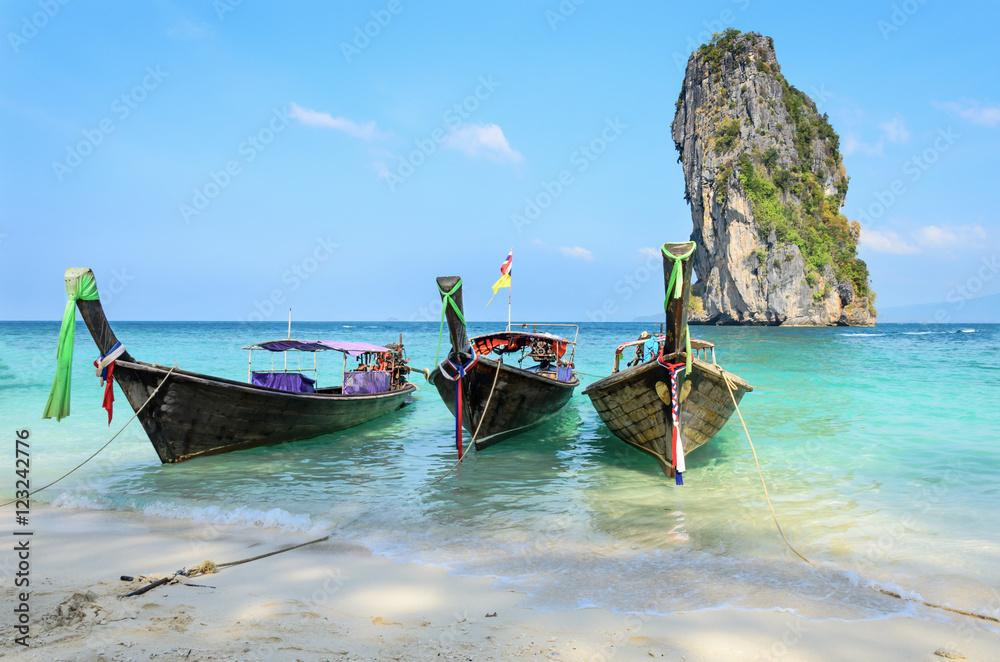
x=675 y=290
x=85 y=287
x=445 y=300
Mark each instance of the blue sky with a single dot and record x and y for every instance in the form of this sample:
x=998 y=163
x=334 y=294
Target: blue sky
x=226 y=160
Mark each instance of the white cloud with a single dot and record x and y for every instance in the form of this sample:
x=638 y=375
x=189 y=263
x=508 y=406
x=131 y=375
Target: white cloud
x=381 y=170
x=577 y=253
x=366 y=131
x=929 y=238
x=482 y=140
x=972 y=110
x=187 y=30
x=854 y=144
x=895 y=130
x=649 y=252
x=892 y=131
x=381 y=157
x=886 y=242
x=933 y=236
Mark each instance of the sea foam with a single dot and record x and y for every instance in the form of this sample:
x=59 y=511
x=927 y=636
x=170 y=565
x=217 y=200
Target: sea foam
x=275 y=518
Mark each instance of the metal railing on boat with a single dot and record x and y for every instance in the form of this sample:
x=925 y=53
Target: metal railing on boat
x=534 y=329
x=705 y=348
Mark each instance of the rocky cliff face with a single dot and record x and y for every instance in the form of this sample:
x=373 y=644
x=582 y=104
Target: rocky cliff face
x=765 y=182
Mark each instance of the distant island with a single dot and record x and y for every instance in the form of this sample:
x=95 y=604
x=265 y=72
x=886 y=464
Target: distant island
x=765 y=181
x=982 y=310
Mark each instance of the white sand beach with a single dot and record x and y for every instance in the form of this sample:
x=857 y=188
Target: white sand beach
x=335 y=600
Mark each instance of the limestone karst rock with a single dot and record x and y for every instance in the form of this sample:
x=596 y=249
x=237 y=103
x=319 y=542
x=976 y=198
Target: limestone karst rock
x=766 y=183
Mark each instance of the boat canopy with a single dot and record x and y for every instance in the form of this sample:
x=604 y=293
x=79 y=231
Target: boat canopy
x=349 y=348
x=512 y=341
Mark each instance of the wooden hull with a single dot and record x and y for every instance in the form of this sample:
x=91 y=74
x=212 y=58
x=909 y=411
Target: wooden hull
x=196 y=414
x=521 y=401
x=628 y=404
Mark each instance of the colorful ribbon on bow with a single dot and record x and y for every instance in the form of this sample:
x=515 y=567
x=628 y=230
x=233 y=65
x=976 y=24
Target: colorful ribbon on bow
x=105 y=370
x=675 y=290
x=676 y=445
x=460 y=372
x=446 y=299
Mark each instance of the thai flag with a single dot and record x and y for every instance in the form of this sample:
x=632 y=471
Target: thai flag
x=505 y=267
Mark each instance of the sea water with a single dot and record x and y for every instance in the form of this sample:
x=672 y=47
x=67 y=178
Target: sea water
x=879 y=447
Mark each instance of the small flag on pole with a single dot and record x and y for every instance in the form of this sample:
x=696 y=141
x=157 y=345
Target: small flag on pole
x=505 y=267
x=504 y=280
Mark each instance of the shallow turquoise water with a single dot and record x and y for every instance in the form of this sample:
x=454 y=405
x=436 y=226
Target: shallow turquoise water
x=879 y=447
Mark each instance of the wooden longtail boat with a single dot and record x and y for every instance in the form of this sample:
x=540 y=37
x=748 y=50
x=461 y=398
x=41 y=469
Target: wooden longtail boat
x=194 y=414
x=522 y=398
x=636 y=402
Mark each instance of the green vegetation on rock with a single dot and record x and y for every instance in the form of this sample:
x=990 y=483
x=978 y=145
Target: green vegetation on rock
x=792 y=203
x=728 y=136
x=721 y=43
x=817 y=227
x=809 y=124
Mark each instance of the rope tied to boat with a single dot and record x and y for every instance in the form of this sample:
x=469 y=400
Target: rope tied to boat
x=203 y=568
x=446 y=300
x=461 y=370
x=475 y=435
x=891 y=594
x=137 y=411
x=732 y=394
x=210 y=567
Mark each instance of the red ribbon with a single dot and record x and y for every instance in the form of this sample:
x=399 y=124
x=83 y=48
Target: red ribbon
x=458 y=413
x=109 y=391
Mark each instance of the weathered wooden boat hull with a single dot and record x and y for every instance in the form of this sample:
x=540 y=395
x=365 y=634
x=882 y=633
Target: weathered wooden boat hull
x=637 y=411
x=629 y=405
x=521 y=400
x=195 y=414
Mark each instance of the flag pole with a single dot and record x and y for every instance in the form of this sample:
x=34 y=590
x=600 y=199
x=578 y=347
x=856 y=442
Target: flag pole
x=509 y=288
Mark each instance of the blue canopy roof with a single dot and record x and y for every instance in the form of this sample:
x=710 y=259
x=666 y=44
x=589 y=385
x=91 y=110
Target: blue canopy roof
x=349 y=348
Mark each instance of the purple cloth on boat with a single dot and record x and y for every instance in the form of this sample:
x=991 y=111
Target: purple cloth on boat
x=350 y=348
x=295 y=382
x=356 y=383
x=564 y=374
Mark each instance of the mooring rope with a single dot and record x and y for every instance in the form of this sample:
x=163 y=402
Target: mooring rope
x=261 y=556
x=732 y=389
x=937 y=606
x=164 y=381
x=472 y=444
x=589 y=374
x=881 y=590
x=210 y=568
